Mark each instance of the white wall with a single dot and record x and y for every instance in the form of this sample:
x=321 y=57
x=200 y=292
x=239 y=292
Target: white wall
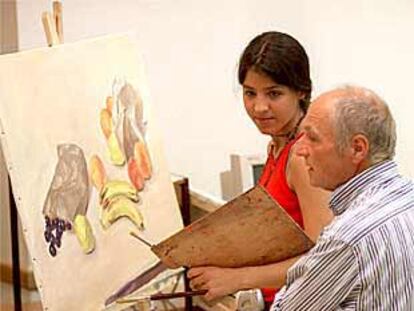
x=191 y=50
x=369 y=43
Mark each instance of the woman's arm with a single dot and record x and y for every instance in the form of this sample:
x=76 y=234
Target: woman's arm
x=313 y=201
x=224 y=281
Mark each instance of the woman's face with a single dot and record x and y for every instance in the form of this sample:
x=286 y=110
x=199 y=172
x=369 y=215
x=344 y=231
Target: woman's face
x=272 y=107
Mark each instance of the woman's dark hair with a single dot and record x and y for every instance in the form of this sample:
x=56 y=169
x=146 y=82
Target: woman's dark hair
x=280 y=57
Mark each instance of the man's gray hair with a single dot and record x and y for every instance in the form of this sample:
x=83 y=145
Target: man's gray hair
x=361 y=111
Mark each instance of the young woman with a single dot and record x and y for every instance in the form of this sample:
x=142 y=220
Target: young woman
x=274 y=74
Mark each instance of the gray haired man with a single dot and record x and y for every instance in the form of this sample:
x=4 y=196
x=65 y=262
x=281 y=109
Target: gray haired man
x=364 y=260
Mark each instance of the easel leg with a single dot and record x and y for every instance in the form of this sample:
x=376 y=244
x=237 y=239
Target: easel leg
x=186 y=215
x=15 y=251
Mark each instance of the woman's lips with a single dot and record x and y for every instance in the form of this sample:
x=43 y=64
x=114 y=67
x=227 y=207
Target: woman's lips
x=264 y=120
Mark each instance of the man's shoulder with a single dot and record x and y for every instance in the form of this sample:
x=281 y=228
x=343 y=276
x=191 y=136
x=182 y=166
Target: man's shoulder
x=377 y=207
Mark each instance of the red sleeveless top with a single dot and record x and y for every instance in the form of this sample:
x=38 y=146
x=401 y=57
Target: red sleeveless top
x=273 y=179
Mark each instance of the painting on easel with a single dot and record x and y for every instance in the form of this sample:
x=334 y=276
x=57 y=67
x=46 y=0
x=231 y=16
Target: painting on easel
x=86 y=166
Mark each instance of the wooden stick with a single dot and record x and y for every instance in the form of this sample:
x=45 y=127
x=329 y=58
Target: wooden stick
x=135 y=235
x=58 y=19
x=50 y=29
x=163 y=296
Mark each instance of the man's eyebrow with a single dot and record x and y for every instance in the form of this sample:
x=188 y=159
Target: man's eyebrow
x=306 y=127
x=309 y=129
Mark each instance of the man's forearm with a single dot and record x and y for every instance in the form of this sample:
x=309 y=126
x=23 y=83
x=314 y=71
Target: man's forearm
x=271 y=275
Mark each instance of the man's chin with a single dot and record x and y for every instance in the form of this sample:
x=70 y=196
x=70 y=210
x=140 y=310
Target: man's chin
x=318 y=184
x=314 y=182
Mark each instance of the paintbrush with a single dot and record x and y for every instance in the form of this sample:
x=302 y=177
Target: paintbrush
x=135 y=235
x=137 y=282
x=162 y=296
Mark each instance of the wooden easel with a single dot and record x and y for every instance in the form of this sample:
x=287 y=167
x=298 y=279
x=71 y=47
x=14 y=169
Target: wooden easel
x=53 y=28
x=14 y=227
x=182 y=190
x=54 y=35
x=53 y=25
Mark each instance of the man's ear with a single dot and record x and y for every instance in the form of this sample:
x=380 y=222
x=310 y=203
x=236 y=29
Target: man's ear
x=359 y=148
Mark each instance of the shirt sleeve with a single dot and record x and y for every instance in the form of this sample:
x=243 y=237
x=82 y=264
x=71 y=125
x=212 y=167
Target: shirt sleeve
x=320 y=280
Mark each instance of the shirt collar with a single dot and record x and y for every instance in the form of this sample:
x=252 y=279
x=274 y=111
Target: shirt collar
x=377 y=174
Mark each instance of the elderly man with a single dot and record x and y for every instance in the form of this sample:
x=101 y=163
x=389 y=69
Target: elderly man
x=364 y=260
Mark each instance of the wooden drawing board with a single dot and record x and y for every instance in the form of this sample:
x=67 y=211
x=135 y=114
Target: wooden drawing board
x=250 y=230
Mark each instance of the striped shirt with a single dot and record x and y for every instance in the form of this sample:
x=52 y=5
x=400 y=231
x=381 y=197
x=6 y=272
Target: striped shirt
x=364 y=260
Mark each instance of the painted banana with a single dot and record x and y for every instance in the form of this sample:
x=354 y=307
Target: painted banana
x=117 y=188
x=121 y=207
x=83 y=231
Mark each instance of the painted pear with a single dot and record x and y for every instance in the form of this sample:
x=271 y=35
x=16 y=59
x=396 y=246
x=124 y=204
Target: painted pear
x=83 y=231
x=115 y=151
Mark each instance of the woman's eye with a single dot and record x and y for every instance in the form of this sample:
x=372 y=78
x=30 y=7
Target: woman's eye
x=273 y=94
x=249 y=93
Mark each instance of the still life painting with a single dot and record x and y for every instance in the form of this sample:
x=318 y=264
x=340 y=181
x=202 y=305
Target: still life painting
x=87 y=169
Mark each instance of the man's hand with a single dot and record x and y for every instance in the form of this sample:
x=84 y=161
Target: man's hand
x=218 y=281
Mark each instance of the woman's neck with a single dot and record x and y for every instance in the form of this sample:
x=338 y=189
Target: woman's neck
x=289 y=132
